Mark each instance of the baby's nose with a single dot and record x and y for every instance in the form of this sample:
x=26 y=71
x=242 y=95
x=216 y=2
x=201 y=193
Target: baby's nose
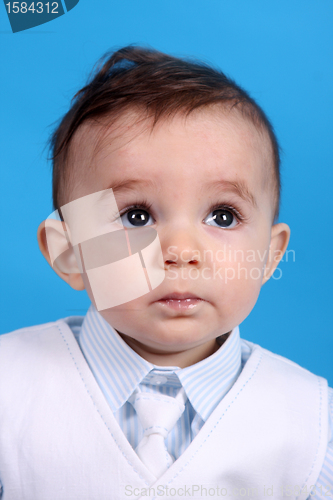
x=181 y=255
x=185 y=256
x=181 y=246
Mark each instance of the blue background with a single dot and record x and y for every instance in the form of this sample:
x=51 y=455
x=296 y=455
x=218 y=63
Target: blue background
x=280 y=51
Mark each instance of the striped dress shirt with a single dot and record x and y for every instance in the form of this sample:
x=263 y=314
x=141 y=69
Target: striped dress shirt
x=119 y=371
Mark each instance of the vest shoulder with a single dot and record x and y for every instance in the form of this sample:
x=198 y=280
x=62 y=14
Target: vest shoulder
x=282 y=362
x=35 y=330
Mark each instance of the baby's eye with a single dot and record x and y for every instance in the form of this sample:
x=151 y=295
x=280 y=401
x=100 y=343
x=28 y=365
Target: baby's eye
x=222 y=217
x=136 y=217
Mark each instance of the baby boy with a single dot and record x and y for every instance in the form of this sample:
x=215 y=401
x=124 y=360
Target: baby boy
x=166 y=192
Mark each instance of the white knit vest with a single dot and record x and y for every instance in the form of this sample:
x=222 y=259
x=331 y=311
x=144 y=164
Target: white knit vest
x=60 y=441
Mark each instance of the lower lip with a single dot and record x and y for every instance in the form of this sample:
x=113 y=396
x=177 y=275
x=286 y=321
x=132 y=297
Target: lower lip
x=180 y=305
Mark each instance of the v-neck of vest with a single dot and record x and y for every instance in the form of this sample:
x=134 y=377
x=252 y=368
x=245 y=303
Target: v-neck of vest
x=99 y=400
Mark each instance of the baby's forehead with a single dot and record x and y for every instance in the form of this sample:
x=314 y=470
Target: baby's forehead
x=119 y=135
x=134 y=136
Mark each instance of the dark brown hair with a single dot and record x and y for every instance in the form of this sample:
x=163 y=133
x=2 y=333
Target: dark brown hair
x=159 y=84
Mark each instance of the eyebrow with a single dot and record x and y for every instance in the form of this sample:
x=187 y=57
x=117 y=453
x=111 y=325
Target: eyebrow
x=132 y=185
x=237 y=187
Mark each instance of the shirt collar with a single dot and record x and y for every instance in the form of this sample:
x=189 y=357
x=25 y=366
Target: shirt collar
x=208 y=381
x=119 y=370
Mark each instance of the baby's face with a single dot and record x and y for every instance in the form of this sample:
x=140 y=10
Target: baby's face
x=202 y=184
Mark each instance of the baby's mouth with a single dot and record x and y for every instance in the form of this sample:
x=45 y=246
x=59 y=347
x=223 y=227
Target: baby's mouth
x=180 y=301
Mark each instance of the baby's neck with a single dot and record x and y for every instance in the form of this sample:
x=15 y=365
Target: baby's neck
x=182 y=359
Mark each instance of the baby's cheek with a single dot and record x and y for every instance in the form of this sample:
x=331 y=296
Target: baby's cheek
x=240 y=287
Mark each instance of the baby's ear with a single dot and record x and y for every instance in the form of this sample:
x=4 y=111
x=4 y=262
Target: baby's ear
x=54 y=244
x=280 y=235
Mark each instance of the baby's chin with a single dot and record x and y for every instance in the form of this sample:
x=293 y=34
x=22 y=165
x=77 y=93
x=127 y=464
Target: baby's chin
x=177 y=334
x=176 y=350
